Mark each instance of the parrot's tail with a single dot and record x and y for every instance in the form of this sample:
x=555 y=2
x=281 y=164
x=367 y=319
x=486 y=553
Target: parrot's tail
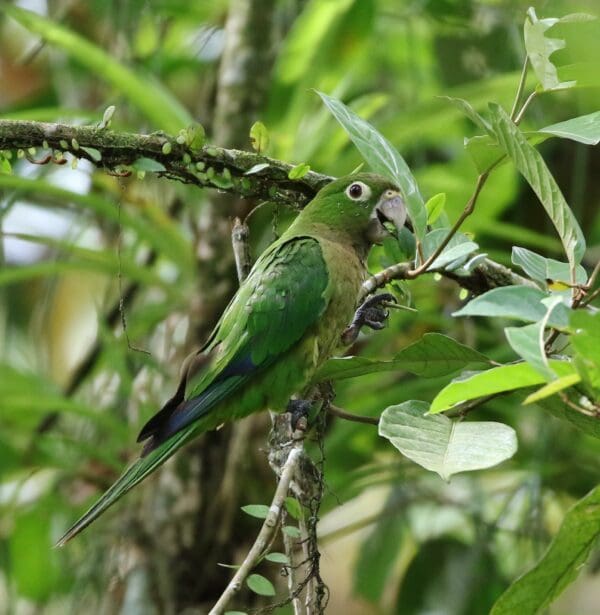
x=131 y=477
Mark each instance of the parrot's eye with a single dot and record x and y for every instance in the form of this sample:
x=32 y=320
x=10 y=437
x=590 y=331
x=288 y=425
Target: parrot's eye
x=358 y=191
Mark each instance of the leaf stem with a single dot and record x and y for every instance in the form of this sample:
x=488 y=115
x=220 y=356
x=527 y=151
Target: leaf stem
x=520 y=89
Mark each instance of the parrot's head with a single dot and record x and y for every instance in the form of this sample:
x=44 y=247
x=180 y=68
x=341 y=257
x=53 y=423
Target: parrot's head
x=363 y=205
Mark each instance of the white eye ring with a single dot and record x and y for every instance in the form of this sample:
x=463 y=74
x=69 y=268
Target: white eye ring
x=358 y=191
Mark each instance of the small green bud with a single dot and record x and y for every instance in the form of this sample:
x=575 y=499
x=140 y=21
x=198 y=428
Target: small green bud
x=45 y=144
x=32 y=151
x=74 y=144
x=200 y=166
x=64 y=144
x=186 y=158
x=20 y=153
x=167 y=148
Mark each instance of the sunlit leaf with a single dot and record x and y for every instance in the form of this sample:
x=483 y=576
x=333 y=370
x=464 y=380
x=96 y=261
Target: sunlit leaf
x=435 y=206
x=495 y=380
x=532 y=166
x=553 y=387
x=540 y=48
x=583 y=129
x=383 y=158
x=468 y=110
x=543 y=269
x=444 y=446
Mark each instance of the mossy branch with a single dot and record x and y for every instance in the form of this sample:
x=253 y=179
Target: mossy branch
x=207 y=167
x=210 y=166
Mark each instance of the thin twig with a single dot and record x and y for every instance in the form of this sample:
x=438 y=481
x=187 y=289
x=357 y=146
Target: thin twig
x=526 y=104
x=348 y=416
x=266 y=531
x=467 y=211
x=520 y=88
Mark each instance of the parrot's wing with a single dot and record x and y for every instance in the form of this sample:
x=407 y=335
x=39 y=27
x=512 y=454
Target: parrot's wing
x=283 y=296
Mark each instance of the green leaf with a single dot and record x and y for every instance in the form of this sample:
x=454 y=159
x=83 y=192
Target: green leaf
x=539 y=49
x=5 y=166
x=520 y=302
x=149 y=96
x=435 y=206
x=468 y=110
x=149 y=165
x=459 y=247
x=432 y=356
x=293 y=507
x=552 y=387
x=532 y=166
x=278 y=558
x=585 y=341
x=583 y=129
x=484 y=152
x=543 y=269
x=528 y=342
x=383 y=158
x=299 y=171
x=195 y=137
x=94 y=154
x=496 y=380
x=260 y=511
x=560 y=565
x=291 y=531
x=445 y=446
x=259 y=137
x=260 y=585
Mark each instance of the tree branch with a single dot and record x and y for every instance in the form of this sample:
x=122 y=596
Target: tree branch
x=207 y=167
x=268 y=527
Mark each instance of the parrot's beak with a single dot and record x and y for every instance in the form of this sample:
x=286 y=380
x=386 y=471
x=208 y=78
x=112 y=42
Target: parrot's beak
x=390 y=209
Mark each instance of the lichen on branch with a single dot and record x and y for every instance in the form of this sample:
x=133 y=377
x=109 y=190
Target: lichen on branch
x=244 y=173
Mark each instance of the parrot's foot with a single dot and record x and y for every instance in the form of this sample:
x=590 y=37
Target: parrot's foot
x=371 y=313
x=300 y=410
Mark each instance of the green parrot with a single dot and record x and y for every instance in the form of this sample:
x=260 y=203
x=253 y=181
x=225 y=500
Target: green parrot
x=286 y=319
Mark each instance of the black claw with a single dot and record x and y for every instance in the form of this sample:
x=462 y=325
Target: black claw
x=300 y=411
x=371 y=313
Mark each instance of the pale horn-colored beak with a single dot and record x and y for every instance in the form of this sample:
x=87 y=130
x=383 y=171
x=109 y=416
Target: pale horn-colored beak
x=390 y=208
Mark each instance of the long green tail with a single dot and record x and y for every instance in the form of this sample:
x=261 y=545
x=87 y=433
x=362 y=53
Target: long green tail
x=130 y=478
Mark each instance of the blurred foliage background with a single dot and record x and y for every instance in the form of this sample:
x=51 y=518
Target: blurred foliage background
x=394 y=537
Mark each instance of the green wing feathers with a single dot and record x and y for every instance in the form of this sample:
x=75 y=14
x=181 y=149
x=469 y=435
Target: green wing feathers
x=282 y=298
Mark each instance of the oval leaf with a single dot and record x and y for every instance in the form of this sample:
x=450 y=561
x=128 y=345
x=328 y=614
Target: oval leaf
x=445 y=446
x=260 y=511
x=260 y=585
